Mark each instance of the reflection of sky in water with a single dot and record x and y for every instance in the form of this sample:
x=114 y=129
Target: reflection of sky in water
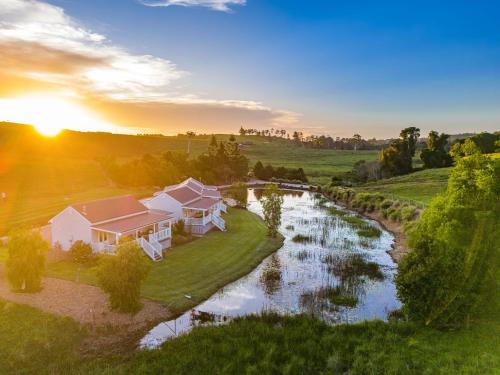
x=298 y=289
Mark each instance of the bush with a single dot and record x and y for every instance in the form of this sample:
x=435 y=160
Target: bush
x=121 y=276
x=452 y=269
x=179 y=228
x=26 y=260
x=81 y=252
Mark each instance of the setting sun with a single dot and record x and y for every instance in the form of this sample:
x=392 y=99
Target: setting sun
x=50 y=114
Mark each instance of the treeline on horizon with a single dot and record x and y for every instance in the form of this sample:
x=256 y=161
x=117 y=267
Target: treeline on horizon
x=435 y=152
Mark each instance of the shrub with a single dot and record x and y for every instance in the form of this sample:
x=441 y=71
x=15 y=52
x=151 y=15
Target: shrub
x=81 y=252
x=121 y=276
x=179 y=228
x=26 y=260
x=452 y=270
x=408 y=213
x=386 y=203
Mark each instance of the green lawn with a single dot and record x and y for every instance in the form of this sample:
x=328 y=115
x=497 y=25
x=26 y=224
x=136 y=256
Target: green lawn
x=34 y=342
x=419 y=186
x=198 y=268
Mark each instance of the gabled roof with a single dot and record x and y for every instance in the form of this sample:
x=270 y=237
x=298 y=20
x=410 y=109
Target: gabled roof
x=135 y=222
x=189 y=190
x=110 y=208
x=183 y=194
x=201 y=203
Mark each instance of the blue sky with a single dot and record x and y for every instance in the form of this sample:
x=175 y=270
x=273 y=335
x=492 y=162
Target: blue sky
x=334 y=67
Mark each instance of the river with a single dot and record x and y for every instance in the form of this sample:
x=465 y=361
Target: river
x=333 y=265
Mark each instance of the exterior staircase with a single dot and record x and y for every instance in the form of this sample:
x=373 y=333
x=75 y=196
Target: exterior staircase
x=152 y=249
x=219 y=222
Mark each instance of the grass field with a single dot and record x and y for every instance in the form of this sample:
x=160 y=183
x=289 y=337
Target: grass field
x=419 y=186
x=34 y=342
x=198 y=268
x=43 y=344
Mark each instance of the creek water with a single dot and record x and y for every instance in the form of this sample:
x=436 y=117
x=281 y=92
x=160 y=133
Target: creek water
x=327 y=267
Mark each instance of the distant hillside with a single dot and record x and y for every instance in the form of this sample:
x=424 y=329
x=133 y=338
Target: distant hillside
x=26 y=141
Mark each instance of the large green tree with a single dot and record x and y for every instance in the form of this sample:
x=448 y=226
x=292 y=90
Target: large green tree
x=272 y=201
x=26 y=260
x=122 y=275
x=397 y=158
x=452 y=268
x=436 y=155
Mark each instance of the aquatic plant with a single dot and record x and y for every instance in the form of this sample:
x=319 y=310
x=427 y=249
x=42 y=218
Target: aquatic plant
x=302 y=238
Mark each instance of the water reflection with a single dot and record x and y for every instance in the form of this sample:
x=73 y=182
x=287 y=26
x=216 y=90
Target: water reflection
x=325 y=269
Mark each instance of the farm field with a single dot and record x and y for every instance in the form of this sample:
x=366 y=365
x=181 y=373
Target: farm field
x=198 y=268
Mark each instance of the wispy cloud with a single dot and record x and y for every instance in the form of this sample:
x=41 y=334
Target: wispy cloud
x=219 y=5
x=42 y=48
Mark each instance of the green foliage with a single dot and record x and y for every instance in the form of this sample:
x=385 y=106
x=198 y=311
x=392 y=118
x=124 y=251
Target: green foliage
x=179 y=228
x=485 y=143
x=122 y=275
x=397 y=158
x=452 y=269
x=280 y=173
x=81 y=252
x=26 y=260
x=222 y=163
x=435 y=155
x=271 y=206
x=239 y=192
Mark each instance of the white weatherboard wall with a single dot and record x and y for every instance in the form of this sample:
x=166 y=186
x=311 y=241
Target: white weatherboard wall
x=166 y=203
x=70 y=226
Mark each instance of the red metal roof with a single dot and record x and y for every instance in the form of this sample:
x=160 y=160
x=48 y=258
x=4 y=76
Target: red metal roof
x=135 y=222
x=110 y=208
x=183 y=194
x=202 y=203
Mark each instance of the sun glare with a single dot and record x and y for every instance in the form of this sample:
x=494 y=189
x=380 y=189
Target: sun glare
x=49 y=115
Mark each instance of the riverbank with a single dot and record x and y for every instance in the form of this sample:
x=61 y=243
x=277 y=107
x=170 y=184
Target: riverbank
x=399 y=248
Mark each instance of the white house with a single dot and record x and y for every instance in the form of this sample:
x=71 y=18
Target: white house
x=199 y=205
x=102 y=223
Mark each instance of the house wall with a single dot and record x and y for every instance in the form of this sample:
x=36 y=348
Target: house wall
x=166 y=203
x=69 y=226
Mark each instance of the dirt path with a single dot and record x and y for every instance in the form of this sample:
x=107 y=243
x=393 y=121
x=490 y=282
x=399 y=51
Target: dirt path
x=89 y=306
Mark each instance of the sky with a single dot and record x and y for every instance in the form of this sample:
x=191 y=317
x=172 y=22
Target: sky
x=323 y=67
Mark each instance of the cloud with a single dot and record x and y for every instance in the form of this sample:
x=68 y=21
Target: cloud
x=103 y=67
x=43 y=49
x=219 y=5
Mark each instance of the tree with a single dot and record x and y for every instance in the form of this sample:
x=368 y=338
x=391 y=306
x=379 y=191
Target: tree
x=81 y=252
x=356 y=139
x=242 y=131
x=397 y=158
x=26 y=260
x=258 y=170
x=239 y=193
x=272 y=201
x=452 y=268
x=190 y=134
x=435 y=155
x=122 y=275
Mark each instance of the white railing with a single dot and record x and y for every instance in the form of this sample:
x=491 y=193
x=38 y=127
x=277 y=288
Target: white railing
x=150 y=250
x=223 y=207
x=102 y=247
x=160 y=235
x=219 y=222
x=198 y=220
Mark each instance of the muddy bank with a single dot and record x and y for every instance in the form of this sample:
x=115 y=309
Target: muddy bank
x=89 y=306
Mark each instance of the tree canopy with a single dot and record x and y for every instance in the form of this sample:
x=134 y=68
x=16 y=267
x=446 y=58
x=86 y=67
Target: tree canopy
x=26 y=260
